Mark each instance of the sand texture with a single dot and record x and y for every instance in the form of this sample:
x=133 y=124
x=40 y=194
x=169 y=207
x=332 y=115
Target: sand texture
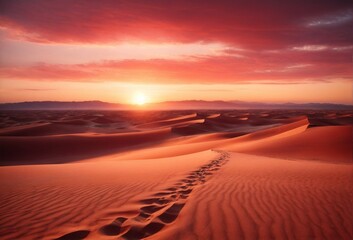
x=176 y=175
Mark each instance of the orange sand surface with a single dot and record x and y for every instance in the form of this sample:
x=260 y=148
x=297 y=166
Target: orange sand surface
x=176 y=175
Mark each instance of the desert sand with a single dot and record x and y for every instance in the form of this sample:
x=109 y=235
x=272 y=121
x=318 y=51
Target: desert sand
x=176 y=175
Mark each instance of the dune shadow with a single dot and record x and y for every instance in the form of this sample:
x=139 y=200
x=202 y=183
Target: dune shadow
x=77 y=235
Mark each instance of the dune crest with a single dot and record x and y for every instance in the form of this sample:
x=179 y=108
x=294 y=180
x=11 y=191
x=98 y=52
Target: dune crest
x=330 y=143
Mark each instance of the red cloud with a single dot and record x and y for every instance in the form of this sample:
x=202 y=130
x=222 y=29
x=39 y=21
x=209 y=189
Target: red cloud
x=258 y=27
x=251 y=24
x=287 y=66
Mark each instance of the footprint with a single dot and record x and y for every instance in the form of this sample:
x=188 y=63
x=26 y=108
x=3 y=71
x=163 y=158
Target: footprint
x=146 y=223
x=110 y=230
x=133 y=233
x=152 y=228
x=137 y=232
x=120 y=220
x=184 y=196
x=163 y=193
x=142 y=217
x=171 y=213
x=185 y=191
x=114 y=228
x=77 y=235
x=149 y=200
x=151 y=209
x=161 y=201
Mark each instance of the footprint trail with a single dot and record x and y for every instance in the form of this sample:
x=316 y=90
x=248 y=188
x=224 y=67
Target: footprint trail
x=160 y=209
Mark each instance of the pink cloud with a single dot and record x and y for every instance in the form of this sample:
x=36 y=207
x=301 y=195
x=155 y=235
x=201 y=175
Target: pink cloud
x=286 y=66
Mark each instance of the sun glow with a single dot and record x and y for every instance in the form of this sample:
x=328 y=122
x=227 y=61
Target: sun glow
x=139 y=98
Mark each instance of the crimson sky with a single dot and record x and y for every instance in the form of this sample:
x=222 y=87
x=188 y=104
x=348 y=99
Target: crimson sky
x=275 y=51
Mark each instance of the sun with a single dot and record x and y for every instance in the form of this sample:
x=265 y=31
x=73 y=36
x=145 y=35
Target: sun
x=139 y=98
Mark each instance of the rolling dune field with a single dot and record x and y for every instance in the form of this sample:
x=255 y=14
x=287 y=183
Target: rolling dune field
x=257 y=174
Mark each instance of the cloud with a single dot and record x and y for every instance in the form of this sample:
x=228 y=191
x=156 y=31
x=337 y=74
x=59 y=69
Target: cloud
x=332 y=19
x=251 y=24
x=310 y=48
x=319 y=48
x=260 y=41
x=16 y=53
x=284 y=66
x=36 y=89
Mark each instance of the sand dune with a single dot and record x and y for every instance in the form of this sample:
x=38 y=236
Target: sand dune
x=241 y=175
x=207 y=142
x=29 y=149
x=330 y=143
x=42 y=129
x=50 y=149
x=58 y=199
x=253 y=197
x=170 y=121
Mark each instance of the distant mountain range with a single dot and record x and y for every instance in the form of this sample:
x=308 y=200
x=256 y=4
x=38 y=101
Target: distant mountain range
x=200 y=104
x=56 y=105
x=170 y=105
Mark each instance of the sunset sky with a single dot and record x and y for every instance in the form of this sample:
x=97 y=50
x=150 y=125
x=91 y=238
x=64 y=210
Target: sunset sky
x=115 y=50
